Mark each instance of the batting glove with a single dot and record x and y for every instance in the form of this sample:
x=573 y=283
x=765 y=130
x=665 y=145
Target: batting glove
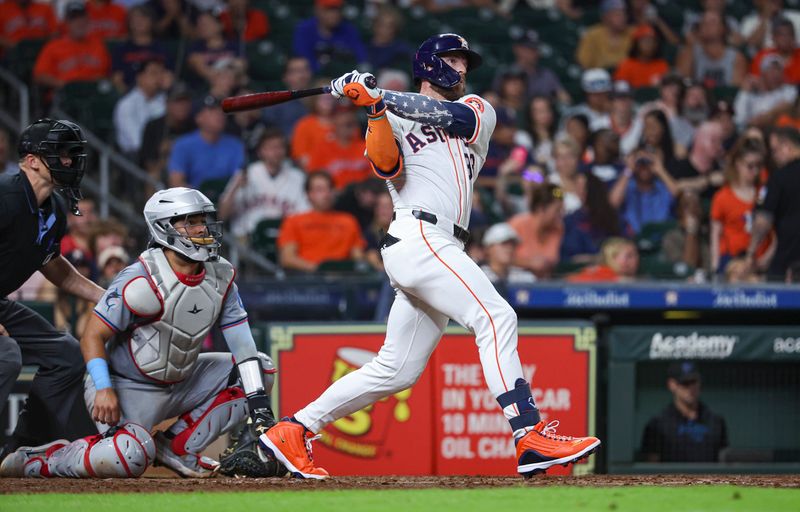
x=363 y=90
x=337 y=84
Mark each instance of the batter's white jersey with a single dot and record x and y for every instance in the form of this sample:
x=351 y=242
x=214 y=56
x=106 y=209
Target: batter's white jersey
x=439 y=168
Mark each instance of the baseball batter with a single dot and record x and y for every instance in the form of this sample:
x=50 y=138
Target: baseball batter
x=142 y=349
x=430 y=148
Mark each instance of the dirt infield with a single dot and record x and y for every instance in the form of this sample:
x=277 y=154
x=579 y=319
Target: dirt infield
x=172 y=485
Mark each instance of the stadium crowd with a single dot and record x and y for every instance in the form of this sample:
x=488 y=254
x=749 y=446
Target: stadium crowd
x=672 y=152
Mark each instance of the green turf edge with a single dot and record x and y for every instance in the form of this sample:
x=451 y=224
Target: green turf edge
x=639 y=499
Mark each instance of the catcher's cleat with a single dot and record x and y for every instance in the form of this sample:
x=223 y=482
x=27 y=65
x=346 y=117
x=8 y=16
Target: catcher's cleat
x=290 y=443
x=189 y=465
x=29 y=461
x=245 y=458
x=542 y=448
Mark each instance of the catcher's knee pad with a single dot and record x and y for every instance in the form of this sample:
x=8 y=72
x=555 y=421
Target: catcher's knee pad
x=122 y=452
x=197 y=429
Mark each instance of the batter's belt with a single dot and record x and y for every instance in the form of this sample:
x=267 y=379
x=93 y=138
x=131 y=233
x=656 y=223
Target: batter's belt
x=458 y=232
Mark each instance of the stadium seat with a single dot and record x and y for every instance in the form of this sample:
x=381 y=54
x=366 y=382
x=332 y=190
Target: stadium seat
x=213 y=188
x=645 y=94
x=343 y=267
x=655 y=266
x=264 y=239
x=21 y=59
x=91 y=104
x=649 y=238
x=265 y=61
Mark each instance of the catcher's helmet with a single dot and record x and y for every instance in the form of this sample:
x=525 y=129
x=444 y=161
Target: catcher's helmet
x=167 y=206
x=52 y=140
x=429 y=66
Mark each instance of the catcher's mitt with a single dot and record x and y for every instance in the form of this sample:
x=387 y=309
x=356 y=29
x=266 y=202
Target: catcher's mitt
x=244 y=458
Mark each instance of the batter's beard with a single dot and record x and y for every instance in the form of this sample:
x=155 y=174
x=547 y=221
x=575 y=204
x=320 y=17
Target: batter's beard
x=453 y=93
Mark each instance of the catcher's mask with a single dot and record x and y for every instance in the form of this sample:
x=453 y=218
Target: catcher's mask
x=183 y=219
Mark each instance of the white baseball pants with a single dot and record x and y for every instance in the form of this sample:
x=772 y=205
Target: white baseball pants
x=435 y=281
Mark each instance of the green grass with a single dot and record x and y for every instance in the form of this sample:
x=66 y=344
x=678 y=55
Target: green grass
x=638 y=499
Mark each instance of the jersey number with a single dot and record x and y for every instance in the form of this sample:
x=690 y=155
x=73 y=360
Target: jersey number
x=470 y=159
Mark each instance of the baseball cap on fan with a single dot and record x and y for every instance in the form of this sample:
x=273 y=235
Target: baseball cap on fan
x=528 y=38
x=596 y=80
x=74 y=9
x=500 y=233
x=622 y=89
x=771 y=59
x=210 y=102
x=684 y=372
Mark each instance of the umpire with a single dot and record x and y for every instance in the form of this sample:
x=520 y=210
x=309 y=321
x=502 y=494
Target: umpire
x=32 y=221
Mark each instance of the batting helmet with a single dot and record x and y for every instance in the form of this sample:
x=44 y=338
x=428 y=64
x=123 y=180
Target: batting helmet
x=429 y=66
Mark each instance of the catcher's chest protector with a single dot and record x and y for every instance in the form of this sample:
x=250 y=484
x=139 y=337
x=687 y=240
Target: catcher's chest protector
x=167 y=349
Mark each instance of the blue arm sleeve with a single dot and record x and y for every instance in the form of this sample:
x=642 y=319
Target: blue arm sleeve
x=457 y=118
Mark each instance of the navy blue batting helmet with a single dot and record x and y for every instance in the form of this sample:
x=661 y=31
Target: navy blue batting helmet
x=429 y=66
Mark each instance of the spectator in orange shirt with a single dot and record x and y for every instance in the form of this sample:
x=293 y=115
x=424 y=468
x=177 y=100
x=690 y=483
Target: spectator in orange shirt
x=540 y=230
x=644 y=66
x=785 y=39
x=107 y=20
x=25 y=19
x=313 y=128
x=732 y=205
x=341 y=153
x=73 y=57
x=619 y=262
x=243 y=22
x=322 y=234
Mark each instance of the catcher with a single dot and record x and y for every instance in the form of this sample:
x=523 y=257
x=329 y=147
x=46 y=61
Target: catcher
x=142 y=351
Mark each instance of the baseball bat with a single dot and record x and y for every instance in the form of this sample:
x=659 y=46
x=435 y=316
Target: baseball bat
x=268 y=99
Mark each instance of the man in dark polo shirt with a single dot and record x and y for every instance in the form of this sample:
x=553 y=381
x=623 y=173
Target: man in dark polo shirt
x=781 y=205
x=32 y=221
x=686 y=430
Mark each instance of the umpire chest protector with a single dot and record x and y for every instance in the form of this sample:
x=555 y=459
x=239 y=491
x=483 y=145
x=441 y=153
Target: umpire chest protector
x=165 y=350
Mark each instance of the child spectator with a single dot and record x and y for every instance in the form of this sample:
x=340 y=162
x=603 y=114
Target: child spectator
x=619 y=263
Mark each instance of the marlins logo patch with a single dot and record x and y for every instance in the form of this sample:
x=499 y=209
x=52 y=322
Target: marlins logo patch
x=475 y=102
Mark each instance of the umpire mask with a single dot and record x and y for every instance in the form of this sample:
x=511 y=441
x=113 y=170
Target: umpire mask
x=60 y=144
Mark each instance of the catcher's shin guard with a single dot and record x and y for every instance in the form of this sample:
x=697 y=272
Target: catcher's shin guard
x=179 y=448
x=121 y=452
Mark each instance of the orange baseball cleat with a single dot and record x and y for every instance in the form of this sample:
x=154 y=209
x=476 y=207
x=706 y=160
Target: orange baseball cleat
x=290 y=443
x=542 y=448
